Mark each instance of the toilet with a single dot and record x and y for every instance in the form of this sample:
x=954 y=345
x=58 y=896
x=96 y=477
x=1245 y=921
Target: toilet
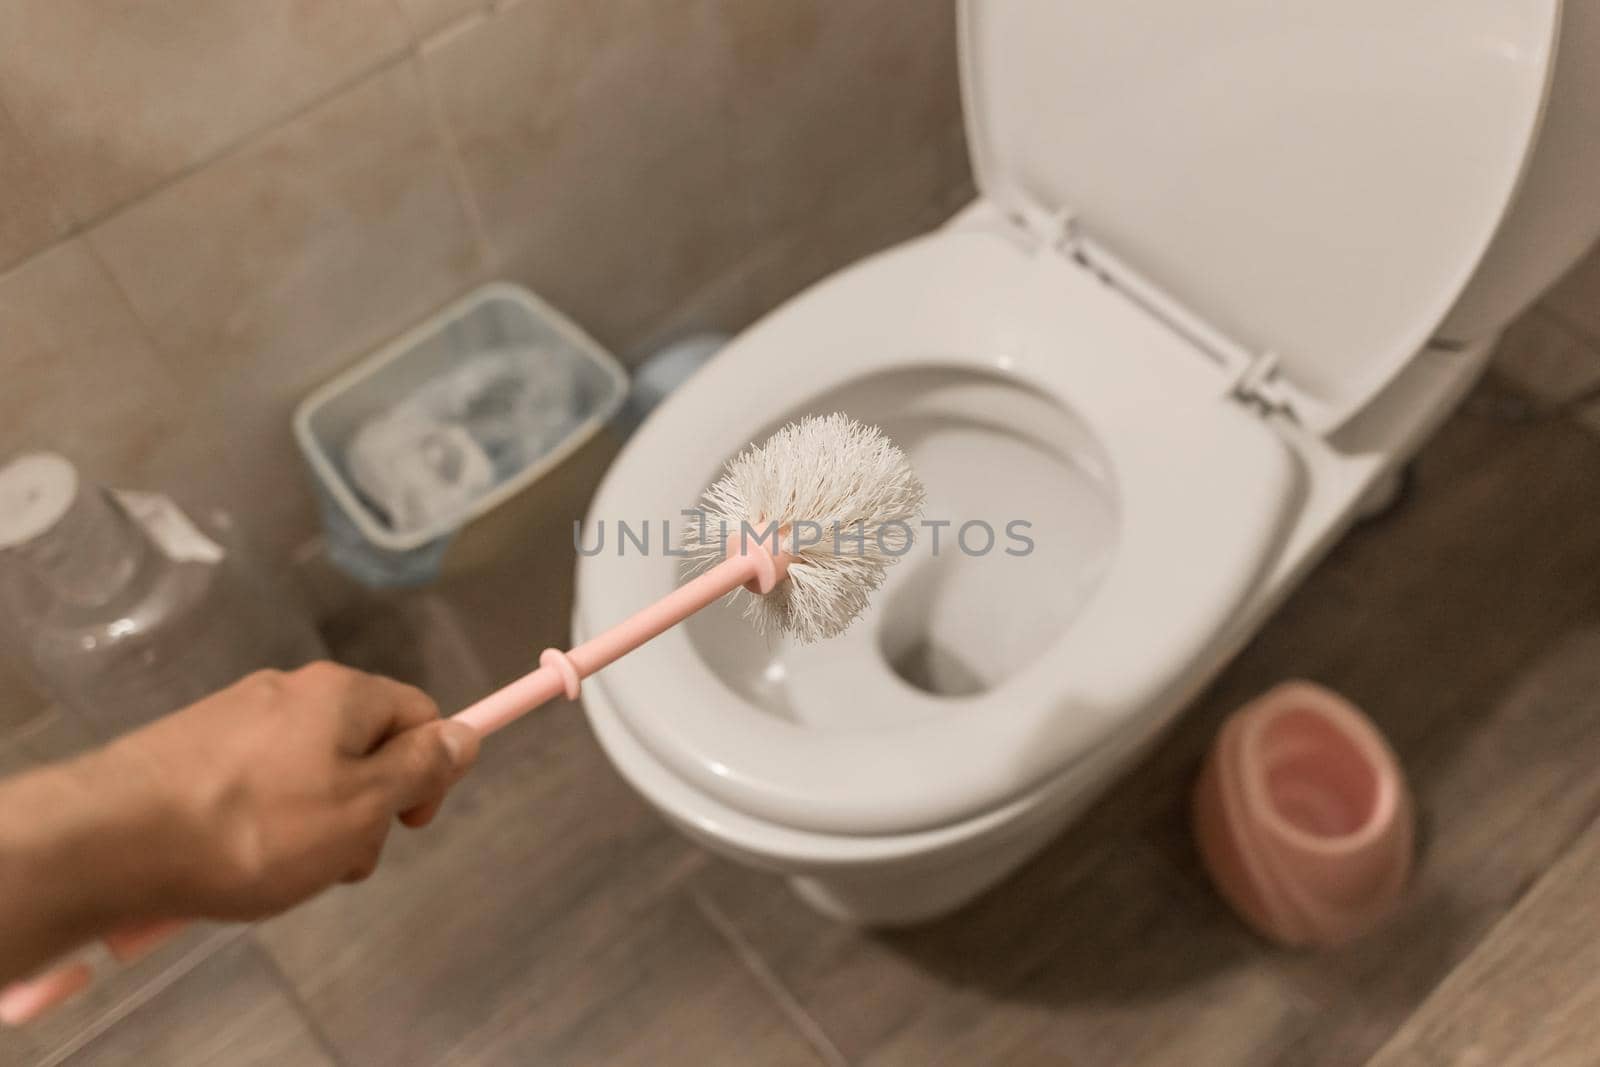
x=1229 y=266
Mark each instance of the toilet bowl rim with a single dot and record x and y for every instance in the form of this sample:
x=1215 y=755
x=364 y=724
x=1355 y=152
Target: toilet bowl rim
x=1098 y=711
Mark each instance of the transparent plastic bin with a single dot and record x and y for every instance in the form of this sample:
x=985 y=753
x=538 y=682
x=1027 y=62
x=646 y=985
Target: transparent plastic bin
x=499 y=315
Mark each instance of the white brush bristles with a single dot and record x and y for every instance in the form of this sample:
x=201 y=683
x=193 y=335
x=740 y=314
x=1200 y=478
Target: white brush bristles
x=835 y=495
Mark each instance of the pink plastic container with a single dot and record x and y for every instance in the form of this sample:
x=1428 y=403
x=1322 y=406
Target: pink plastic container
x=1303 y=817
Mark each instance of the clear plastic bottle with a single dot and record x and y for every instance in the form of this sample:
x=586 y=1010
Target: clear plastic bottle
x=124 y=607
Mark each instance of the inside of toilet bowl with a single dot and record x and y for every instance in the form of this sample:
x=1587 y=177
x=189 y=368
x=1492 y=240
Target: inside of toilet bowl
x=1020 y=525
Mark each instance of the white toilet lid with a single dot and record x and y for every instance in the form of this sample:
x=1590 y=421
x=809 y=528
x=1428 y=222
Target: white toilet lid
x=1317 y=181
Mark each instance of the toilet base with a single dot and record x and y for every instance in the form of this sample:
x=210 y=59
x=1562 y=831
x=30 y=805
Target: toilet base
x=1387 y=492
x=908 y=894
x=885 y=902
x=857 y=881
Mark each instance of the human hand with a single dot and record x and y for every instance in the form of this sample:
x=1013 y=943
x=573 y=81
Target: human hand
x=237 y=807
x=284 y=784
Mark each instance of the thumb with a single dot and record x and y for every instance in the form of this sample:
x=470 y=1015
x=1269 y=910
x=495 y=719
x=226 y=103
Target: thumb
x=417 y=766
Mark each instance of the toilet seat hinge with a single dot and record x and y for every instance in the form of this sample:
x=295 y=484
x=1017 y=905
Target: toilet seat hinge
x=1056 y=230
x=1257 y=385
x=1252 y=377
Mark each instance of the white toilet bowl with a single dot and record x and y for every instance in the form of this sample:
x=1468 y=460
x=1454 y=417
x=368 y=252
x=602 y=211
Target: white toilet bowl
x=1129 y=488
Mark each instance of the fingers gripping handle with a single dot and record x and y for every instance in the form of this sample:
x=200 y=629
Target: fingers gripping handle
x=559 y=673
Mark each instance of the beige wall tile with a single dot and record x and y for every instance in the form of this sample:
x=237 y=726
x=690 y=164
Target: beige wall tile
x=29 y=217
x=631 y=161
x=1545 y=360
x=828 y=101
x=594 y=142
x=81 y=378
x=1576 y=297
x=930 y=186
x=631 y=158
x=119 y=95
x=262 y=274
x=427 y=17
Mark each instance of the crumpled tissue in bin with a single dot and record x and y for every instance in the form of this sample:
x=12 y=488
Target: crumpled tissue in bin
x=432 y=455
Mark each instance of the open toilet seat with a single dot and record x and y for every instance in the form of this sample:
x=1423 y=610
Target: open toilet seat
x=1180 y=457
x=1198 y=291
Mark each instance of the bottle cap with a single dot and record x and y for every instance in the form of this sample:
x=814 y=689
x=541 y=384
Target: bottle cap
x=35 y=492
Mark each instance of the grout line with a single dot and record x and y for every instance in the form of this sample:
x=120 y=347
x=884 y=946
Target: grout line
x=167 y=360
x=141 y=996
x=217 y=455
x=809 y=1028
x=72 y=227
x=237 y=145
x=441 y=36
x=291 y=993
x=230 y=149
x=1504 y=921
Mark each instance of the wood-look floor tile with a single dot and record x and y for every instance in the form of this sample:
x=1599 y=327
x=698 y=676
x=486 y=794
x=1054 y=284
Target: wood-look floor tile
x=535 y=867
x=56 y=736
x=1500 y=806
x=1425 y=615
x=100 y=1009
x=1462 y=622
x=228 y=1010
x=658 y=987
x=1459 y=623
x=1091 y=954
x=1529 y=995
x=551 y=917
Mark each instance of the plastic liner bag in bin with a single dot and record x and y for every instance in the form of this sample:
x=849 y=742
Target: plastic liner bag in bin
x=428 y=458
x=448 y=421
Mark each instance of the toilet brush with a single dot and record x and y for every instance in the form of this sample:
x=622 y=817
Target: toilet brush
x=839 y=495
x=806 y=523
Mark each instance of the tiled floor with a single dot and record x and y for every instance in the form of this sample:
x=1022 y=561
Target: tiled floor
x=550 y=917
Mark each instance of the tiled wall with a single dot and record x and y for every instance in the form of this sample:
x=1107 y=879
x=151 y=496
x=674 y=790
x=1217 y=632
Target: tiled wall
x=1552 y=353
x=209 y=206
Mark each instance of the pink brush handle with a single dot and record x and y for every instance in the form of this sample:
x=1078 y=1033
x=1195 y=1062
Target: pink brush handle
x=558 y=673
x=22 y=1002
